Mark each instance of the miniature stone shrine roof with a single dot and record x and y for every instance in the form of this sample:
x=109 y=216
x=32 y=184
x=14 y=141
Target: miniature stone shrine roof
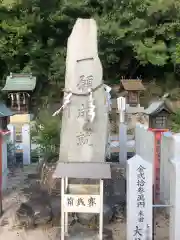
x=20 y=82
x=157 y=106
x=132 y=85
x=4 y=111
x=82 y=170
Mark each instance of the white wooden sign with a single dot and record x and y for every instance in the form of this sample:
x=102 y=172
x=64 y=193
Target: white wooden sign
x=82 y=203
x=139 y=199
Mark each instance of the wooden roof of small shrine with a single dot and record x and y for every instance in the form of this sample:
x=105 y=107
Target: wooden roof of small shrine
x=157 y=106
x=132 y=85
x=20 y=82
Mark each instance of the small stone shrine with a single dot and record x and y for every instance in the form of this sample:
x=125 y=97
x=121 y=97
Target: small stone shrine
x=84 y=131
x=159 y=114
x=131 y=89
x=19 y=87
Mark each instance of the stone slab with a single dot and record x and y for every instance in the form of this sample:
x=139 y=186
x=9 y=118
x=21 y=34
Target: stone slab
x=82 y=170
x=84 y=72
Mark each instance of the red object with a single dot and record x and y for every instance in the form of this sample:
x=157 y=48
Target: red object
x=0 y=175
x=157 y=152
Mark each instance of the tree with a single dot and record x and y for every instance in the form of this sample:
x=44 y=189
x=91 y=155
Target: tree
x=135 y=38
x=46 y=132
x=137 y=34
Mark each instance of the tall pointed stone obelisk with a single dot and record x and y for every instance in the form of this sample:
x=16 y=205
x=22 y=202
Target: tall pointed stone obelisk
x=84 y=126
x=84 y=74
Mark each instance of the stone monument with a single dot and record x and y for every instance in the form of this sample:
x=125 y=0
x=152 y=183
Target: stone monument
x=84 y=126
x=83 y=80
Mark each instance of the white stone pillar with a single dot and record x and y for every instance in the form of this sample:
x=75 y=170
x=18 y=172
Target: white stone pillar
x=26 y=144
x=121 y=102
x=174 y=200
x=12 y=137
x=123 y=143
x=4 y=163
x=176 y=146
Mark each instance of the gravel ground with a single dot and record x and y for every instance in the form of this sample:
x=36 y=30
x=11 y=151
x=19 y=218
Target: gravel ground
x=13 y=198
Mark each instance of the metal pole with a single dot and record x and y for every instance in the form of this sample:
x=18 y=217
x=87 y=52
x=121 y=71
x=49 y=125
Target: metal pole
x=101 y=210
x=161 y=205
x=62 y=208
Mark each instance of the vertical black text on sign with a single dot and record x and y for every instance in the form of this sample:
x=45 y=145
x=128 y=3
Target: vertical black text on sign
x=141 y=181
x=140 y=184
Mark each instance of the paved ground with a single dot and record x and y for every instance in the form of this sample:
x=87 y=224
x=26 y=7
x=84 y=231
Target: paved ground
x=13 y=198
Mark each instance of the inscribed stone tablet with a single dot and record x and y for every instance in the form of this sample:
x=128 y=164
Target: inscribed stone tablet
x=84 y=71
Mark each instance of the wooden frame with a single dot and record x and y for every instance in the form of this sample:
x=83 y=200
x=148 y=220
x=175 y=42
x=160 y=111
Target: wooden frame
x=64 y=211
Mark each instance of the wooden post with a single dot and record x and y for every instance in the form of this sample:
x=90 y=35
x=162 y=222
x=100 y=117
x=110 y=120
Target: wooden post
x=157 y=143
x=101 y=211
x=66 y=213
x=62 y=209
x=156 y=163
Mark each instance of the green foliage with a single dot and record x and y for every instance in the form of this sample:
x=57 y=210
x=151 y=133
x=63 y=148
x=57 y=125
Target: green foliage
x=135 y=38
x=11 y=150
x=46 y=133
x=176 y=122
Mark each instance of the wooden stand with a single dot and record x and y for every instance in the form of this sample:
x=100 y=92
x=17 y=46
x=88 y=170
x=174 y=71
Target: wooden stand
x=65 y=209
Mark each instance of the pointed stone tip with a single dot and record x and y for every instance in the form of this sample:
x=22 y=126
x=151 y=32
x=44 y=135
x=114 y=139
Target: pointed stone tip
x=85 y=24
x=83 y=38
x=90 y=20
